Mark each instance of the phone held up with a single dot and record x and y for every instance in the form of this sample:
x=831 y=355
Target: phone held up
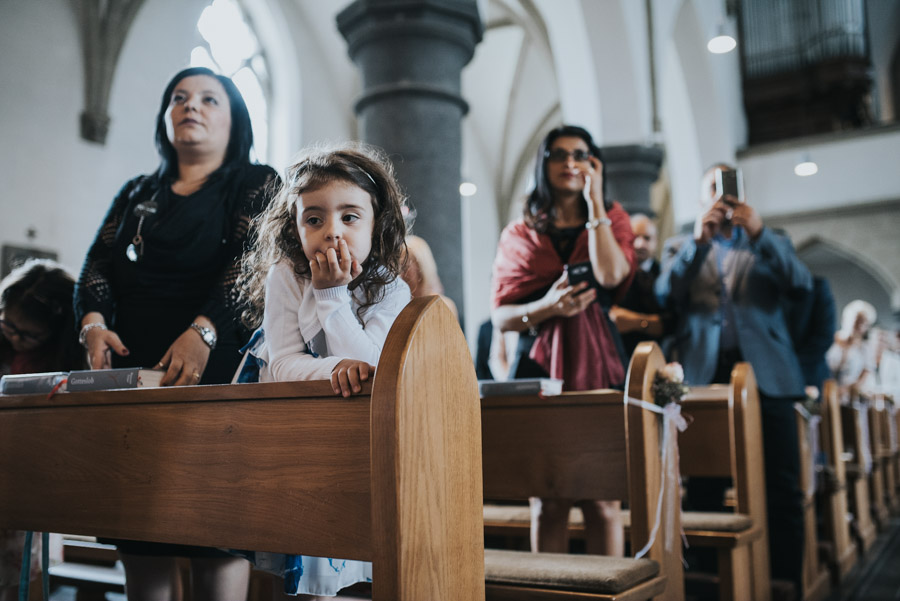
x=729 y=186
x=581 y=272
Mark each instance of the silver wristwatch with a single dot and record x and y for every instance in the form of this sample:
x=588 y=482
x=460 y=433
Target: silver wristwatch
x=207 y=334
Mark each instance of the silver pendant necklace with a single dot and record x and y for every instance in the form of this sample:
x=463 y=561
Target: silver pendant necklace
x=135 y=250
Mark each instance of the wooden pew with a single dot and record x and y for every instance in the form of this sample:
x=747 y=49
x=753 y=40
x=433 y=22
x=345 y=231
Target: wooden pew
x=739 y=539
x=884 y=451
x=725 y=417
x=391 y=475
x=840 y=552
x=588 y=445
x=816 y=581
x=725 y=440
x=92 y=568
x=895 y=442
x=877 y=483
x=862 y=526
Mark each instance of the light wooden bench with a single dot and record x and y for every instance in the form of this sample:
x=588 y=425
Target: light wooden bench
x=840 y=550
x=884 y=452
x=895 y=442
x=391 y=475
x=725 y=440
x=588 y=445
x=862 y=526
x=815 y=577
x=92 y=568
x=877 y=482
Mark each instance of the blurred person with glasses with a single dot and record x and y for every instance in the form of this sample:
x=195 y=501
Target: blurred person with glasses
x=37 y=323
x=569 y=227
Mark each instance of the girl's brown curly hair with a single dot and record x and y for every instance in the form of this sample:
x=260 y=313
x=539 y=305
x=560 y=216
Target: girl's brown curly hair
x=274 y=235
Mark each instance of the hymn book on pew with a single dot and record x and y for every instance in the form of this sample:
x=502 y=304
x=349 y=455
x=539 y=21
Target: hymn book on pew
x=542 y=386
x=33 y=383
x=109 y=379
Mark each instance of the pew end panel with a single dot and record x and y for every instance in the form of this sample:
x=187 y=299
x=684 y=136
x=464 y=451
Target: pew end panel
x=877 y=483
x=883 y=452
x=842 y=549
x=644 y=440
x=426 y=441
x=725 y=440
x=816 y=580
x=863 y=526
x=750 y=491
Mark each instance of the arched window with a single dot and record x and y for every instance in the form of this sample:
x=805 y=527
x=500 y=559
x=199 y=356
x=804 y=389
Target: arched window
x=233 y=49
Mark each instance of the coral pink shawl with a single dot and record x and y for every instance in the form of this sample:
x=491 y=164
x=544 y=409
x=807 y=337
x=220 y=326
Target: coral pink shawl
x=580 y=349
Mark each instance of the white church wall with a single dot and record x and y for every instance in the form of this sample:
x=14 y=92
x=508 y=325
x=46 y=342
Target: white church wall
x=617 y=33
x=680 y=136
x=853 y=169
x=573 y=63
x=60 y=185
x=331 y=82
x=56 y=182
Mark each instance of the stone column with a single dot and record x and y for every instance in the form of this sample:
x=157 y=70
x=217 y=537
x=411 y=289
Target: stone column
x=411 y=54
x=630 y=170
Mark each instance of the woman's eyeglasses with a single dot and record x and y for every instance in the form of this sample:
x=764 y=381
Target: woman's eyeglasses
x=560 y=155
x=9 y=329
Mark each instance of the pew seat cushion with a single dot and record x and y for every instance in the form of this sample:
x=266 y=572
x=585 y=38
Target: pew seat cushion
x=513 y=515
x=715 y=521
x=583 y=573
x=509 y=515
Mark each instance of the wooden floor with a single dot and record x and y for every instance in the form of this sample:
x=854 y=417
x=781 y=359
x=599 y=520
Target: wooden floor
x=877 y=578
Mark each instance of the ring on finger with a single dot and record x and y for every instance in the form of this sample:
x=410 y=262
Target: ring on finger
x=196 y=376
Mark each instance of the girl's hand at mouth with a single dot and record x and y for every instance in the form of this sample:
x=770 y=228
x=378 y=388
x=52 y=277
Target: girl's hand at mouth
x=334 y=267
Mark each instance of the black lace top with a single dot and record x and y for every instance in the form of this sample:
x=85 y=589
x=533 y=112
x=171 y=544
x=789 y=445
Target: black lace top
x=189 y=266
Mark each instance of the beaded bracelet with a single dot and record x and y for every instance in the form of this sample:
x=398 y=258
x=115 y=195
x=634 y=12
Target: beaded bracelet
x=595 y=223
x=82 y=337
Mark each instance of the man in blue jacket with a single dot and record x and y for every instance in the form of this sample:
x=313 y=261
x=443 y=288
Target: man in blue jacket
x=727 y=285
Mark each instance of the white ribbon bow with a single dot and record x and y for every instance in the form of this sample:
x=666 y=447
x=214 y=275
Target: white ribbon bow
x=669 y=474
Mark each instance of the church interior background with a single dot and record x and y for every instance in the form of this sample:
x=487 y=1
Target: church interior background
x=809 y=81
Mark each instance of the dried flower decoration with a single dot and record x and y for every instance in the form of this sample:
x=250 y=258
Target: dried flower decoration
x=668 y=385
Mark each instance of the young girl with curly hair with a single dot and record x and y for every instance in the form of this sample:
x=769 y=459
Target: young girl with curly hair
x=323 y=281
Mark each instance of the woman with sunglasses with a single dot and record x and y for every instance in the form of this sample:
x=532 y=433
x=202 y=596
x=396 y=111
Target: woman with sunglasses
x=557 y=272
x=158 y=285
x=37 y=334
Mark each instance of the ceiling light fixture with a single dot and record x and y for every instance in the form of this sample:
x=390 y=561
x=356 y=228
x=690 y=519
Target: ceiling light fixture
x=722 y=42
x=806 y=167
x=468 y=189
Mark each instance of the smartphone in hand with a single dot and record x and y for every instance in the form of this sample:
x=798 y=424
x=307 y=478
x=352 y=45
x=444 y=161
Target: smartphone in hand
x=729 y=185
x=582 y=272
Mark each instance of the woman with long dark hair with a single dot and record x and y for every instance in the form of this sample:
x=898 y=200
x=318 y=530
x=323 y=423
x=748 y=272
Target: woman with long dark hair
x=557 y=272
x=158 y=285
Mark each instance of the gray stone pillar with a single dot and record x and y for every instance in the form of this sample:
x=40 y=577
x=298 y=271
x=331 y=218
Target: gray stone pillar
x=411 y=54
x=630 y=170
